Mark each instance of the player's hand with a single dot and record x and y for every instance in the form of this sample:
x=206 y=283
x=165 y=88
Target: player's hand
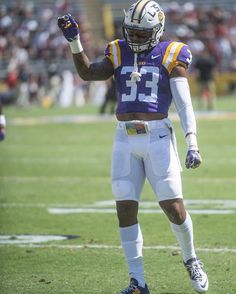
x=2 y=133
x=69 y=27
x=193 y=159
x=2 y=127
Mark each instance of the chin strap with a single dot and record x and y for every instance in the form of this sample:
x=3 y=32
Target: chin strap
x=135 y=75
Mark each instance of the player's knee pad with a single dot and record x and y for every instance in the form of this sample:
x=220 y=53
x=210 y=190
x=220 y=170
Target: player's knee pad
x=169 y=188
x=123 y=190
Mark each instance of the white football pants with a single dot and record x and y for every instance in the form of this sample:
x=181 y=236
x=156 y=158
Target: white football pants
x=153 y=156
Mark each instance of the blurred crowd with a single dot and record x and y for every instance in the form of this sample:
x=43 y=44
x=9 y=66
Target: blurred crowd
x=205 y=28
x=36 y=64
x=35 y=60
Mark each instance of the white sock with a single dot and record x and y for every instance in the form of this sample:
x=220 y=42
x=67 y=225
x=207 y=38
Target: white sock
x=132 y=243
x=184 y=235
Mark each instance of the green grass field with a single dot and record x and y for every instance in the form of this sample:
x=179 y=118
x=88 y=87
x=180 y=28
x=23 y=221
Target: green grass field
x=48 y=163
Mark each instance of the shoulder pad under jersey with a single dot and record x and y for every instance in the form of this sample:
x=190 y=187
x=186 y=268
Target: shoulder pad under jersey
x=176 y=53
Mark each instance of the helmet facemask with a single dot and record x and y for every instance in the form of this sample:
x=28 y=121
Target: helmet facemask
x=144 y=16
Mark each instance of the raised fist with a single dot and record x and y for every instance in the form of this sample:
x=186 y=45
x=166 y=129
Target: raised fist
x=69 y=27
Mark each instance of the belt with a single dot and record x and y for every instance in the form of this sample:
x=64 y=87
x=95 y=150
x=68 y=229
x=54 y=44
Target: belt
x=152 y=124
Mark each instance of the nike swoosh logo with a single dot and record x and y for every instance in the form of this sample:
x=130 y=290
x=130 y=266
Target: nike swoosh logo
x=204 y=285
x=162 y=136
x=155 y=56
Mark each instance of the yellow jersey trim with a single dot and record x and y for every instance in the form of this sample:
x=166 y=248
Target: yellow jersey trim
x=167 y=52
x=118 y=52
x=115 y=53
x=170 y=57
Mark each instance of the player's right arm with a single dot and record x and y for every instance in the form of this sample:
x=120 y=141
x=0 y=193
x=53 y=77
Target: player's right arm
x=97 y=71
x=88 y=71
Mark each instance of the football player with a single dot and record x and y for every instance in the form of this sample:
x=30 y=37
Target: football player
x=2 y=124
x=149 y=75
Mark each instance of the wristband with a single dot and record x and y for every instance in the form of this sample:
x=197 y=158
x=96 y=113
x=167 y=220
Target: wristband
x=191 y=141
x=76 y=46
x=2 y=120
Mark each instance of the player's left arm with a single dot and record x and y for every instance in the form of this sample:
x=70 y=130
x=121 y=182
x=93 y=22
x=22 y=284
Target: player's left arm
x=183 y=103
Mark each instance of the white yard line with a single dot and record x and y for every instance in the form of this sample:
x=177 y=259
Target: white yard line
x=26 y=179
x=77 y=160
x=104 y=246
x=188 y=202
x=194 y=206
x=60 y=209
x=141 y=211
x=23 y=179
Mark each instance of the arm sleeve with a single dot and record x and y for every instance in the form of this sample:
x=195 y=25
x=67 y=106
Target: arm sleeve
x=183 y=104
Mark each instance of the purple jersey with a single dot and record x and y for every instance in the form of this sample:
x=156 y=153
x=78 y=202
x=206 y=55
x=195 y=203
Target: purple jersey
x=152 y=93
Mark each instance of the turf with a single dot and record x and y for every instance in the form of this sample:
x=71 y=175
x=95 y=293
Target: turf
x=67 y=165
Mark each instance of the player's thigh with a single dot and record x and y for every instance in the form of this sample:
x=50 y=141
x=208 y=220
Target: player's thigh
x=163 y=170
x=127 y=173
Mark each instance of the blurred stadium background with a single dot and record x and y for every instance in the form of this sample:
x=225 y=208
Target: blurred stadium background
x=57 y=155
x=35 y=61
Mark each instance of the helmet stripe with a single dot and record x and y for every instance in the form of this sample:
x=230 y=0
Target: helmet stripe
x=141 y=12
x=132 y=16
x=138 y=10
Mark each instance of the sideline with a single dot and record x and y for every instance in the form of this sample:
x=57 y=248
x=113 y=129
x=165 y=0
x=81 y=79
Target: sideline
x=91 y=118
